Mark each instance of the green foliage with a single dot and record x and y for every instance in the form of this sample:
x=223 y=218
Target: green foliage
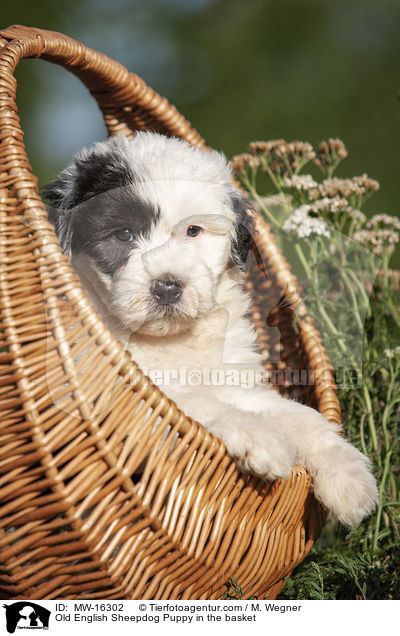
x=342 y=262
x=346 y=573
x=233 y=590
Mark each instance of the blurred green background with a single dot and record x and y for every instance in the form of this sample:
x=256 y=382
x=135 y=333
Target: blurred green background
x=239 y=71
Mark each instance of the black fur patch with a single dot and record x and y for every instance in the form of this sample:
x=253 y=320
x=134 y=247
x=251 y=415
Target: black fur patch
x=91 y=175
x=96 y=221
x=91 y=201
x=244 y=225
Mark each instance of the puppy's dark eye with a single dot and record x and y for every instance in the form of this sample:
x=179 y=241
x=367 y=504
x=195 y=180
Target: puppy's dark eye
x=124 y=235
x=193 y=230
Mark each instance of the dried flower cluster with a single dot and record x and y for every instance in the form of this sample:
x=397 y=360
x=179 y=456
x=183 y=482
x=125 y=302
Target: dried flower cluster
x=384 y=221
x=241 y=163
x=329 y=154
x=334 y=201
x=381 y=234
x=276 y=157
x=348 y=188
x=378 y=241
x=283 y=159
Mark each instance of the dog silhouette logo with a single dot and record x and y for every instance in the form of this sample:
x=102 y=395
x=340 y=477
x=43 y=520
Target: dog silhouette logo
x=26 y=615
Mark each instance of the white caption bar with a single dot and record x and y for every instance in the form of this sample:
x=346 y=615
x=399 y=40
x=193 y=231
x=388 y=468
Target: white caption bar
x=153 y=617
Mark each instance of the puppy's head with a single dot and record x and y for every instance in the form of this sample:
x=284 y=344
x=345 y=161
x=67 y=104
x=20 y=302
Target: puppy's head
x=150 y=225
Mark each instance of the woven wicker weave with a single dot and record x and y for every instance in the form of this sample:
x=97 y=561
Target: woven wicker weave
x=77 y=417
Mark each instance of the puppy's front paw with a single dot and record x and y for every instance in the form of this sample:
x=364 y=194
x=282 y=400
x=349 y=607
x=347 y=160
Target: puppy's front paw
x=346 y=486
x=258 y=447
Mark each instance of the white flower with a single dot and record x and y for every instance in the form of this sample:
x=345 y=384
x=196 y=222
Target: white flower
x=303 y=225
x=300 y=182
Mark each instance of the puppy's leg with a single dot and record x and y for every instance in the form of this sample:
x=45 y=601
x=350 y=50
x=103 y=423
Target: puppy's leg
x=259 y=445
x=343 y=481
x=342 y=475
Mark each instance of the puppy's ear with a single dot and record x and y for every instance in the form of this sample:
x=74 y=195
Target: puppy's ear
x=244 y=227
x=93 y=171
x=56 y=194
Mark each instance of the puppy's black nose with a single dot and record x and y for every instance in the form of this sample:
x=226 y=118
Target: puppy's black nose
x=166 y=292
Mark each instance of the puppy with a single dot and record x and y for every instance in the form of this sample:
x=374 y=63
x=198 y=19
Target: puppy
x=158 y=236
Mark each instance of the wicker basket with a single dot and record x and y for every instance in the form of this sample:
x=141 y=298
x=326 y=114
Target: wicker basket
x=77 y=417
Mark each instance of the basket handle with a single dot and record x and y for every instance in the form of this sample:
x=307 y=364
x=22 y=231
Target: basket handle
x=125 y=100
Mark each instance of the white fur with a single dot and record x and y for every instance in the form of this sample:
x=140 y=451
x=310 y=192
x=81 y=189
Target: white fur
x=266 y=433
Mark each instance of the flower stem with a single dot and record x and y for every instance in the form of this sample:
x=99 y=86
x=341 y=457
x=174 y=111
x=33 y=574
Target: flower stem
x=303 y=260
x=350 y=289
x=370 y=415
x=380 y=505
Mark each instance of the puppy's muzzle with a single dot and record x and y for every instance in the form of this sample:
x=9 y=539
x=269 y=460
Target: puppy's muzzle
x=167 y=291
